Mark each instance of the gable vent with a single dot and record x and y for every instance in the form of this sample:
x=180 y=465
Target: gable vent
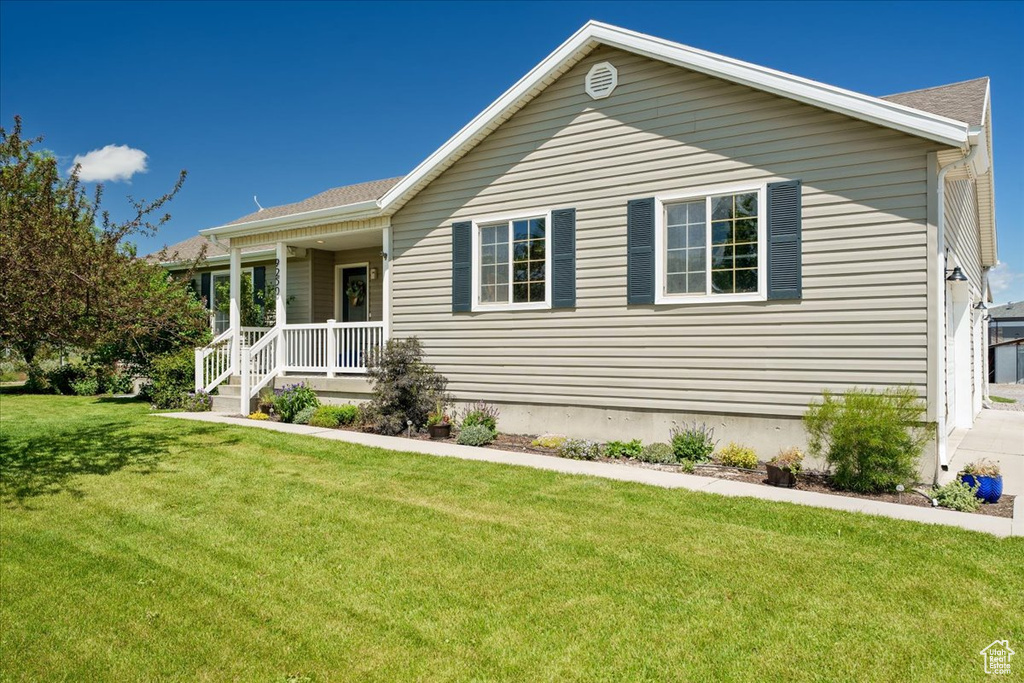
x=601 y=80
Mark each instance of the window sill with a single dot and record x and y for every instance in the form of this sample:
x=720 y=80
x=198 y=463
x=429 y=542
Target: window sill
x=497 y=308
x=683 y=299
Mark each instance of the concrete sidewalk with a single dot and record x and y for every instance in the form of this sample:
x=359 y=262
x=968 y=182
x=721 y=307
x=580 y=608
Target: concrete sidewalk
x=997 y=526
x=997 y=436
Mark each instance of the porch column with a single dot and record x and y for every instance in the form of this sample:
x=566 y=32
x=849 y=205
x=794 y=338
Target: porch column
x=235 y=313
x=386 y=267
x=281 y=302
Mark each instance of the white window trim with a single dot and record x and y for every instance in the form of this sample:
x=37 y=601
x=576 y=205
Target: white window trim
x=475 y=261
x=660 y=294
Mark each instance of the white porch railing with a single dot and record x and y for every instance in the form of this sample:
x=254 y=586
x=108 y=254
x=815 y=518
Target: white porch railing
x=214 y=362
x=331 y=347
x=251 y=335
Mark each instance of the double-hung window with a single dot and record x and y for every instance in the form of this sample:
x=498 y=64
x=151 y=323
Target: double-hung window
x=511 y=264
x=711 y=246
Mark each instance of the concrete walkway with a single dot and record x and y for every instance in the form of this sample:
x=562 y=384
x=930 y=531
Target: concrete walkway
x=997 y=436
x=997 y=526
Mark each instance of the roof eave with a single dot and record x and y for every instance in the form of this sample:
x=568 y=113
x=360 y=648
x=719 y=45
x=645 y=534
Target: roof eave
x=888 y=114
x=246 y=256
x=347 y=212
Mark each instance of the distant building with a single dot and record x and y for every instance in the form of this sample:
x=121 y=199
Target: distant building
x=1006 y=344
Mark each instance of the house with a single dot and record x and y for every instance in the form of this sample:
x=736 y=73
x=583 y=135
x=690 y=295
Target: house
x=1006 y=343
x=639 y=233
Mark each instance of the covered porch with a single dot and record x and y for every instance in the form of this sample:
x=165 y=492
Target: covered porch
x=326 y=297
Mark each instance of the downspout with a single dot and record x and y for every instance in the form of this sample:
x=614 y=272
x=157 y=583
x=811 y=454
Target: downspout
x=940 y=304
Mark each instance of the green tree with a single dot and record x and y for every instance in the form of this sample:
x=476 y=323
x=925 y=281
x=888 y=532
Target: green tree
x=70 y=274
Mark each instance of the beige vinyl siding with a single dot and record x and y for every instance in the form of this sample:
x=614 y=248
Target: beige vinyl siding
x=300 y=304
x=322 y=277
x=862 y=321
x=371 y=256
x=964 y=240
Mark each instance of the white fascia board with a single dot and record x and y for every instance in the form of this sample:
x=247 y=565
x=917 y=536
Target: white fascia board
x=864 y=107
x=348 y=212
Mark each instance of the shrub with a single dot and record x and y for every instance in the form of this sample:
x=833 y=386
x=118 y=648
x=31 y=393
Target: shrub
x=349 y=414
x=956 y=495
x=259 y=415
x=475 y=435
x=580 y=449
x=404 y=387
x=171 y=378
x=791 y=458
x=481 y=413
x=117 y=382
x=334 y=416
x=86 y=386
x=304 y=416
x=290 y=399
x=63 y=378
x=694 y=442
x=197 y=402
x=735 y=455
x=265 y=400
x=660 y=453
x=624 y=449
x=872 y=441
x=982 y=468
x=552 y=441
x=38 y=381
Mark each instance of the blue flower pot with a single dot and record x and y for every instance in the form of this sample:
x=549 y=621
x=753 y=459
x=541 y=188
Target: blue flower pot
x=990 y=489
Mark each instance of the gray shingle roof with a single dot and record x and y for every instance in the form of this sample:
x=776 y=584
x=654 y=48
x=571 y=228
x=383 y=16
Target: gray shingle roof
x=1014 y=309
x=338 y=196
x=963 y=101
x=189 y=250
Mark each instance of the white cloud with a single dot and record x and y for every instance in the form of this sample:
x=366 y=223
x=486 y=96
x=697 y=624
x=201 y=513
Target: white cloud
x=1004 y=281
x=113 y=162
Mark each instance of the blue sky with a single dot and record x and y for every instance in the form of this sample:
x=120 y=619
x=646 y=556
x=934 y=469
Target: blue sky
x=284 y=100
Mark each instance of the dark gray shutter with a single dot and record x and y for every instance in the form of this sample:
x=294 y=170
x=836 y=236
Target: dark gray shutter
x=259 y=285
x=784 y=241
x=640 y=251
x=462 y=267
x=563 y=258
x=204 y=288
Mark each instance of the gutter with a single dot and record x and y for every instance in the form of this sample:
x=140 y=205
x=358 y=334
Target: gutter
x=940 y=302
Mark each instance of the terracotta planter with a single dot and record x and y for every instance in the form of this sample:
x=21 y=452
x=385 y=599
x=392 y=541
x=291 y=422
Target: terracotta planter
x=440 y=431
x=781 y=476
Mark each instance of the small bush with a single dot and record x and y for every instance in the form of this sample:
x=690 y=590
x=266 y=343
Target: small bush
x=349 y=414
x=659 y=453
x=624 y=449
x=289 y=400
x=86 y=386
x=580 y=449
x=481 y=413
x=552 y=441
x=38 y=382
x=404 y=387
x=956 y=495
x=982 y=468
x=334 y=416
x=791 y=458
x=197 y=402
x=117 y=382
x=64 y=378
x=265 y=400
x=872 y=441
x=735 y=455
x=475 y=435
x=304 y=416
x=171 y=378
x=259 y=415
x=694 y=442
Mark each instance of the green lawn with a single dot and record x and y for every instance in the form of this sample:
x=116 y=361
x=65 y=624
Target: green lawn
x=134 y=547
x=1000 y=399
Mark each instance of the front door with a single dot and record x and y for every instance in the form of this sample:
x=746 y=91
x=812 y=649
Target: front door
x=354 y=295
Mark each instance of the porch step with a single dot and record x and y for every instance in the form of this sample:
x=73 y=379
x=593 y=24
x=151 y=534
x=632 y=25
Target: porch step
x=230 y=404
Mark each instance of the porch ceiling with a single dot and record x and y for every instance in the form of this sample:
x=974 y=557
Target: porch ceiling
x=349 y=239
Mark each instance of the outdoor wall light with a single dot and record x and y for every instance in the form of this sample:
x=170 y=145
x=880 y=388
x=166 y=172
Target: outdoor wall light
x=384 y=255
x=981 y=306
x=956 y=275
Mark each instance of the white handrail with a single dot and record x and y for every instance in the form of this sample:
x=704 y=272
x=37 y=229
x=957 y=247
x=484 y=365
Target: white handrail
x=258 y=366
x=213 y=362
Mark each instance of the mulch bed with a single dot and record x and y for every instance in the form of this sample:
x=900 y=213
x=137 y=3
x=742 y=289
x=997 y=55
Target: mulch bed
x=807 y=481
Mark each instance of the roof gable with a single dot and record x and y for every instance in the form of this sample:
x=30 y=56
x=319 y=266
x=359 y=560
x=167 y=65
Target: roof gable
x=885 y=113
x=965 y=101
